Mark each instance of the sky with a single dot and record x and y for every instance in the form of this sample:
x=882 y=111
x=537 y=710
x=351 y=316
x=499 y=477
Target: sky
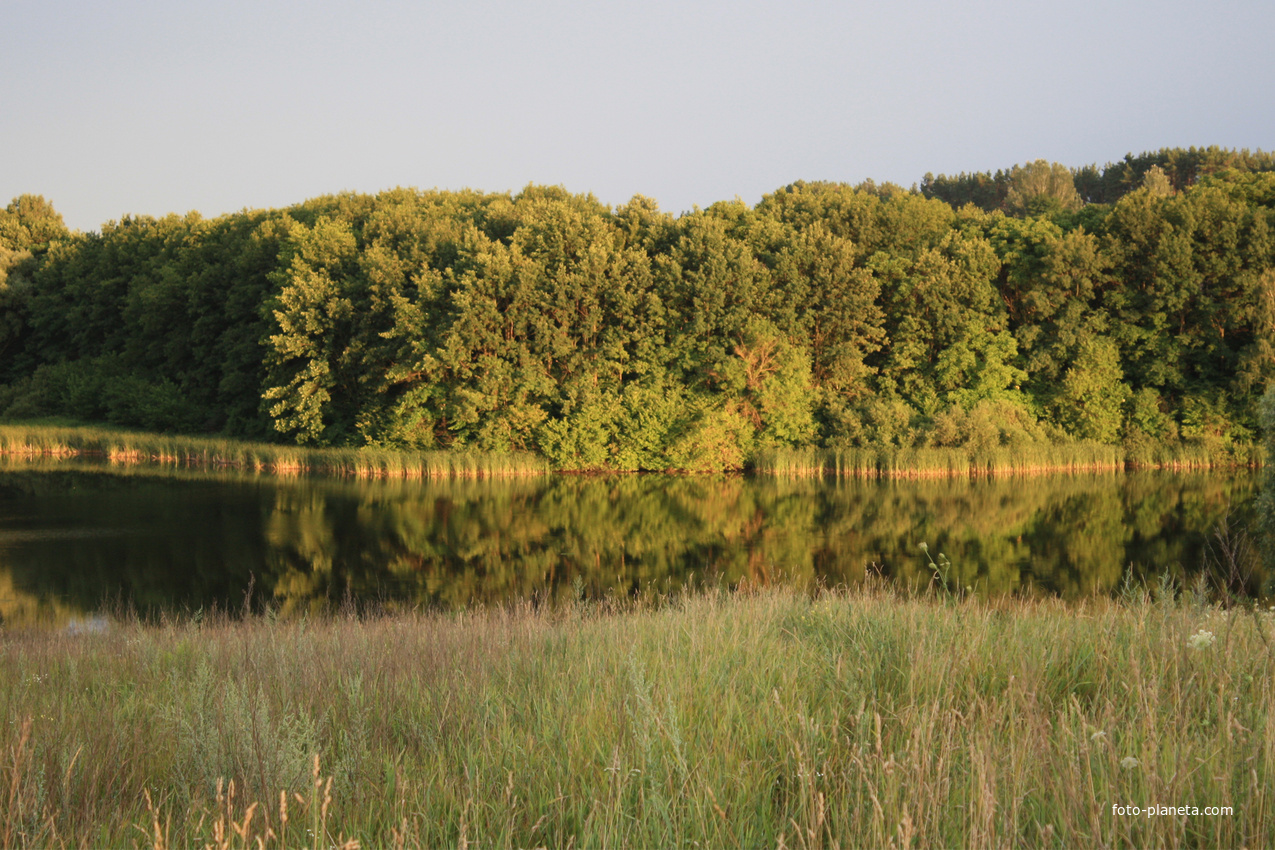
x=135 y=107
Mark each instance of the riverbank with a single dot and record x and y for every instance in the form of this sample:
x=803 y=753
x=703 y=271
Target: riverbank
x=1035 y=459
x=752 y=719
x=132 y=447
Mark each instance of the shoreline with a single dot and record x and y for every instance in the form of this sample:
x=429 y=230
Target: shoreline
x=141 y=448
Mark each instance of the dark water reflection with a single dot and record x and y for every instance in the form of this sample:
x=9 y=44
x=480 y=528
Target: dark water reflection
x=73 y=540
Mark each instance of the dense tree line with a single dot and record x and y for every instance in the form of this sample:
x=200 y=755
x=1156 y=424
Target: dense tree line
x=1091 y=184
x=826 y=315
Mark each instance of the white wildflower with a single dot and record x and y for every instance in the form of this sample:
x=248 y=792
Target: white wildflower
x=1129 y=762
x=1201 y=640
x=1098 y=737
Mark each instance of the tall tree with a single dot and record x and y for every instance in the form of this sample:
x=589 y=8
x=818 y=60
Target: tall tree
x=1040 y=188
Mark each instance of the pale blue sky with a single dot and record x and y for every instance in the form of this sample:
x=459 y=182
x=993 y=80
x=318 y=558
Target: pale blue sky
x=144 y=107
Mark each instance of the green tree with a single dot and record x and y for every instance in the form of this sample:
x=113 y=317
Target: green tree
x=1040 y=188
x=1089 y=404
x=1052 y=282
x=28 y=226
x=316 y=314
x=1266 y=499
x=14 y=289
x=30 y=223
x=948 y=335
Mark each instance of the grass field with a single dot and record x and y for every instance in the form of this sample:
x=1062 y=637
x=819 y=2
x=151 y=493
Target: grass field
x=766 y=718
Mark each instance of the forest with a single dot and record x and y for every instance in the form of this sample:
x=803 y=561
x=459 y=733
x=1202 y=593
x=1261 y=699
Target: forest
x=1130 y=305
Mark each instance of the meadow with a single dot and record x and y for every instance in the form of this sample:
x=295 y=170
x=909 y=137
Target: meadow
x=754 y=718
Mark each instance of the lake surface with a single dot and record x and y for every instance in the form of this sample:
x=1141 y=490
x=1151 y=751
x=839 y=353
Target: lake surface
x=77 y=538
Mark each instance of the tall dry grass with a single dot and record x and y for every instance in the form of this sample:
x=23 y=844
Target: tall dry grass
x=943 y=462
x=128 y=447
x=771 y=718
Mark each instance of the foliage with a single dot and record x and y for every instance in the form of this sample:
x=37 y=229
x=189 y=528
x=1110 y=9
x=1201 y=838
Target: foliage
x=1093 y=392
x=1181 y=168
x=1041 y=188
x=827 y=316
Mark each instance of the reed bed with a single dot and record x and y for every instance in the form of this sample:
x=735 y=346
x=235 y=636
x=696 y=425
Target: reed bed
x=930 y=462
x=769 y=718
x=1185 y=456
x=125 y=447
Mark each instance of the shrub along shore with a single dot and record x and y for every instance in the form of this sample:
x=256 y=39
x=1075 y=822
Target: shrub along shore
x=757 y=718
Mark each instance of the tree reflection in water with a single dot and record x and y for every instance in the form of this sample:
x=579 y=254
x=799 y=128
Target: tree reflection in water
x=73 y=541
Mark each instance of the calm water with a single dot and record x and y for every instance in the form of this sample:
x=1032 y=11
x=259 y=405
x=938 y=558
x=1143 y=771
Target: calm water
x=74 y=540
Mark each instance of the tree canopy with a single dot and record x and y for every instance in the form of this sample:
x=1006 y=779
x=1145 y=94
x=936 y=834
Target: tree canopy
x=1132 y=305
